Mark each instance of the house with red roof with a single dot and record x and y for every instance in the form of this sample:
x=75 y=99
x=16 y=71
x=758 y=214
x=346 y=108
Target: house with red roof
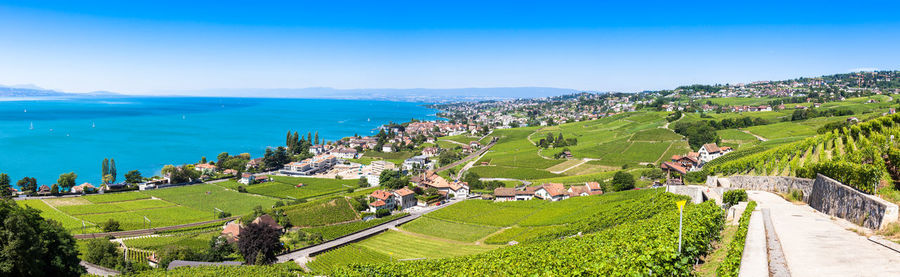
x=381 y=199
x=406 y=198
x=552 y=192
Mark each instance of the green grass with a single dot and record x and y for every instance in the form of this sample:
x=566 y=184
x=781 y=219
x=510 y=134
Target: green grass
x=657 y=134
x=328 y=261
x=483 y=212
x=512 y=172
x=403 y=246
x=69 y=223
x=159 y=217
x=320 y=213
x=116 y=197
x=114 y=207
x=449 y=230
x=286 y=187
x=783 y=130
x=207 y=197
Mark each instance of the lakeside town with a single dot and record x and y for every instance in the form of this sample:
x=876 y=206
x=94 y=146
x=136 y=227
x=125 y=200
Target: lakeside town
x=311 y=194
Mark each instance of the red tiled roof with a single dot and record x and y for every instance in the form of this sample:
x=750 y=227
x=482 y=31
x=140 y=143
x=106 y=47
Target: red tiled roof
x=594 y=186
x=711 y=147
x=673 y=166
x=378 y=203
x=507 y=192
x=555 y=189
x=380 y=194
x=403 y=192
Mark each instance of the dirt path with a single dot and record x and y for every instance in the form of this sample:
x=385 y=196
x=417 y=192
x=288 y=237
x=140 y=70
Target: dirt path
x=755 y=135
x=571 y=167
x=54 y=208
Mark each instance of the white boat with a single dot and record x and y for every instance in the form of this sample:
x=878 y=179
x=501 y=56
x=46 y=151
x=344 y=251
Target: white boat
x=182 y=117
x=31 y=126
x=26 y=110
x=93 y=125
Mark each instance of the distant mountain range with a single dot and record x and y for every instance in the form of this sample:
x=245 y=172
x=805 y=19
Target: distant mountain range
x=416 y=94
x=30 y=91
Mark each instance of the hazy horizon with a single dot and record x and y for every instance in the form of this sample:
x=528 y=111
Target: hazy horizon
x=150 y=49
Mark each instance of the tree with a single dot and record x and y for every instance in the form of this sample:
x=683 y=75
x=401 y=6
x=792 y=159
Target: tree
x=110 y=225
x=67 y=180
x=317 y=138
x=133 y=177
x=54 y=190
x=28 y=185
x=221 y=158
x=34 y=246
x=173 y=252
x=104 y=167
x=5 y=188
x=363 y=182
x=112 y=170
x=102 y=252
x=622 y=181
x=203 y=159
x=107 y=179
x=218 y=250
x=259 y=239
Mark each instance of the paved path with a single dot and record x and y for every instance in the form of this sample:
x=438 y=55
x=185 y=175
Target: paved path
x=301 y=257
x=469 y=157
x=98 y=270
x=816 y=245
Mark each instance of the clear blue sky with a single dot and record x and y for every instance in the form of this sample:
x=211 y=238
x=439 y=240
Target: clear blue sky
x=159 y=46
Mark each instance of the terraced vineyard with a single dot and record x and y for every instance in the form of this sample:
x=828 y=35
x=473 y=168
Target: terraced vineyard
x=858 y=156
x=286 y=187
x=628 y=232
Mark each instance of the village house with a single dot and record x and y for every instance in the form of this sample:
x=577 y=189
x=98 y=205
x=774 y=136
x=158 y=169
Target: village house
x=503 y=194
x=431 y=180
x=552 y=192
x=317 y=149
x=415 y=162
x=246 y=179
x=311 y=166
x=206 y=169
x=381 y=199
x=406 y=198
x=268 y=221
x=430 y=151
x=387 y=148
x=345 y=153
x=710 y=151
x=83 y=188
x=43 y=190
x=526 y=194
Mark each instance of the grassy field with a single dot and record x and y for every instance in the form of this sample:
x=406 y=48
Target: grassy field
x=68 y=222
x=130 y=220
x=321 y=212
x=207 y=197
x=519 y=234
x=286 y=187
x=449 y=230
x=113 y=207
x=116 y=197
x=483 y=212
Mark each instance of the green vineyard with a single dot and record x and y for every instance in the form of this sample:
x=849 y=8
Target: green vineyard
x=860 y=156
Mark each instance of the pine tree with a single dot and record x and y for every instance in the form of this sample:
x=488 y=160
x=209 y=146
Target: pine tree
x=112 y=169
x=309 y=137
x=104 y=167
x=5 y=188
x=317 y=138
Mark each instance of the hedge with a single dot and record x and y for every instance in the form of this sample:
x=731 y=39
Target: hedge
x=731 y=266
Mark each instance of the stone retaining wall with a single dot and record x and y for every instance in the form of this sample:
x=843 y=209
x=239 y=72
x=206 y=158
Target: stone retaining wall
x=777 y=184
x=823 y=194
x=839 y=200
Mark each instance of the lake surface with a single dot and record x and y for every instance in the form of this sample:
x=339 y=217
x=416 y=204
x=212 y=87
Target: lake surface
x=45 y=138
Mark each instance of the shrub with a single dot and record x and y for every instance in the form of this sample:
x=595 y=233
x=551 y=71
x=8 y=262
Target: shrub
x=732 y=197
x=103 y=253
x=796 y=195
x=382 y=213
x=110 y=225
x=732 y=263
x=241 y=189
x=622 y=181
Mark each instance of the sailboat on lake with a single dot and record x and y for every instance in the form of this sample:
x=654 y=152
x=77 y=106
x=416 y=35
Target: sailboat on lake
x=31 y=126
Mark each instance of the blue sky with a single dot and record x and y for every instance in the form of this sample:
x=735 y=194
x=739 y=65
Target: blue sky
x=156 y=47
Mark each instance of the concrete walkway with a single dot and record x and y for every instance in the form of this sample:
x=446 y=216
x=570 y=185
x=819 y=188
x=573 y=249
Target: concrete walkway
x=816 y=245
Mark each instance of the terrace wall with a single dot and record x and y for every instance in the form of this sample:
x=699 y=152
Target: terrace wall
x=823 y=194
x=839 y=200
x=776 y=184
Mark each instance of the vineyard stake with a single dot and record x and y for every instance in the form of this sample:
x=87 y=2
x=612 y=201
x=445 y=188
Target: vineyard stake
x=680 y=216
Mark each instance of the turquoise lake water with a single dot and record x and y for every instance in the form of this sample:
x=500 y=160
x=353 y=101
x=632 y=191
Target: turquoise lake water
x=148 y=133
